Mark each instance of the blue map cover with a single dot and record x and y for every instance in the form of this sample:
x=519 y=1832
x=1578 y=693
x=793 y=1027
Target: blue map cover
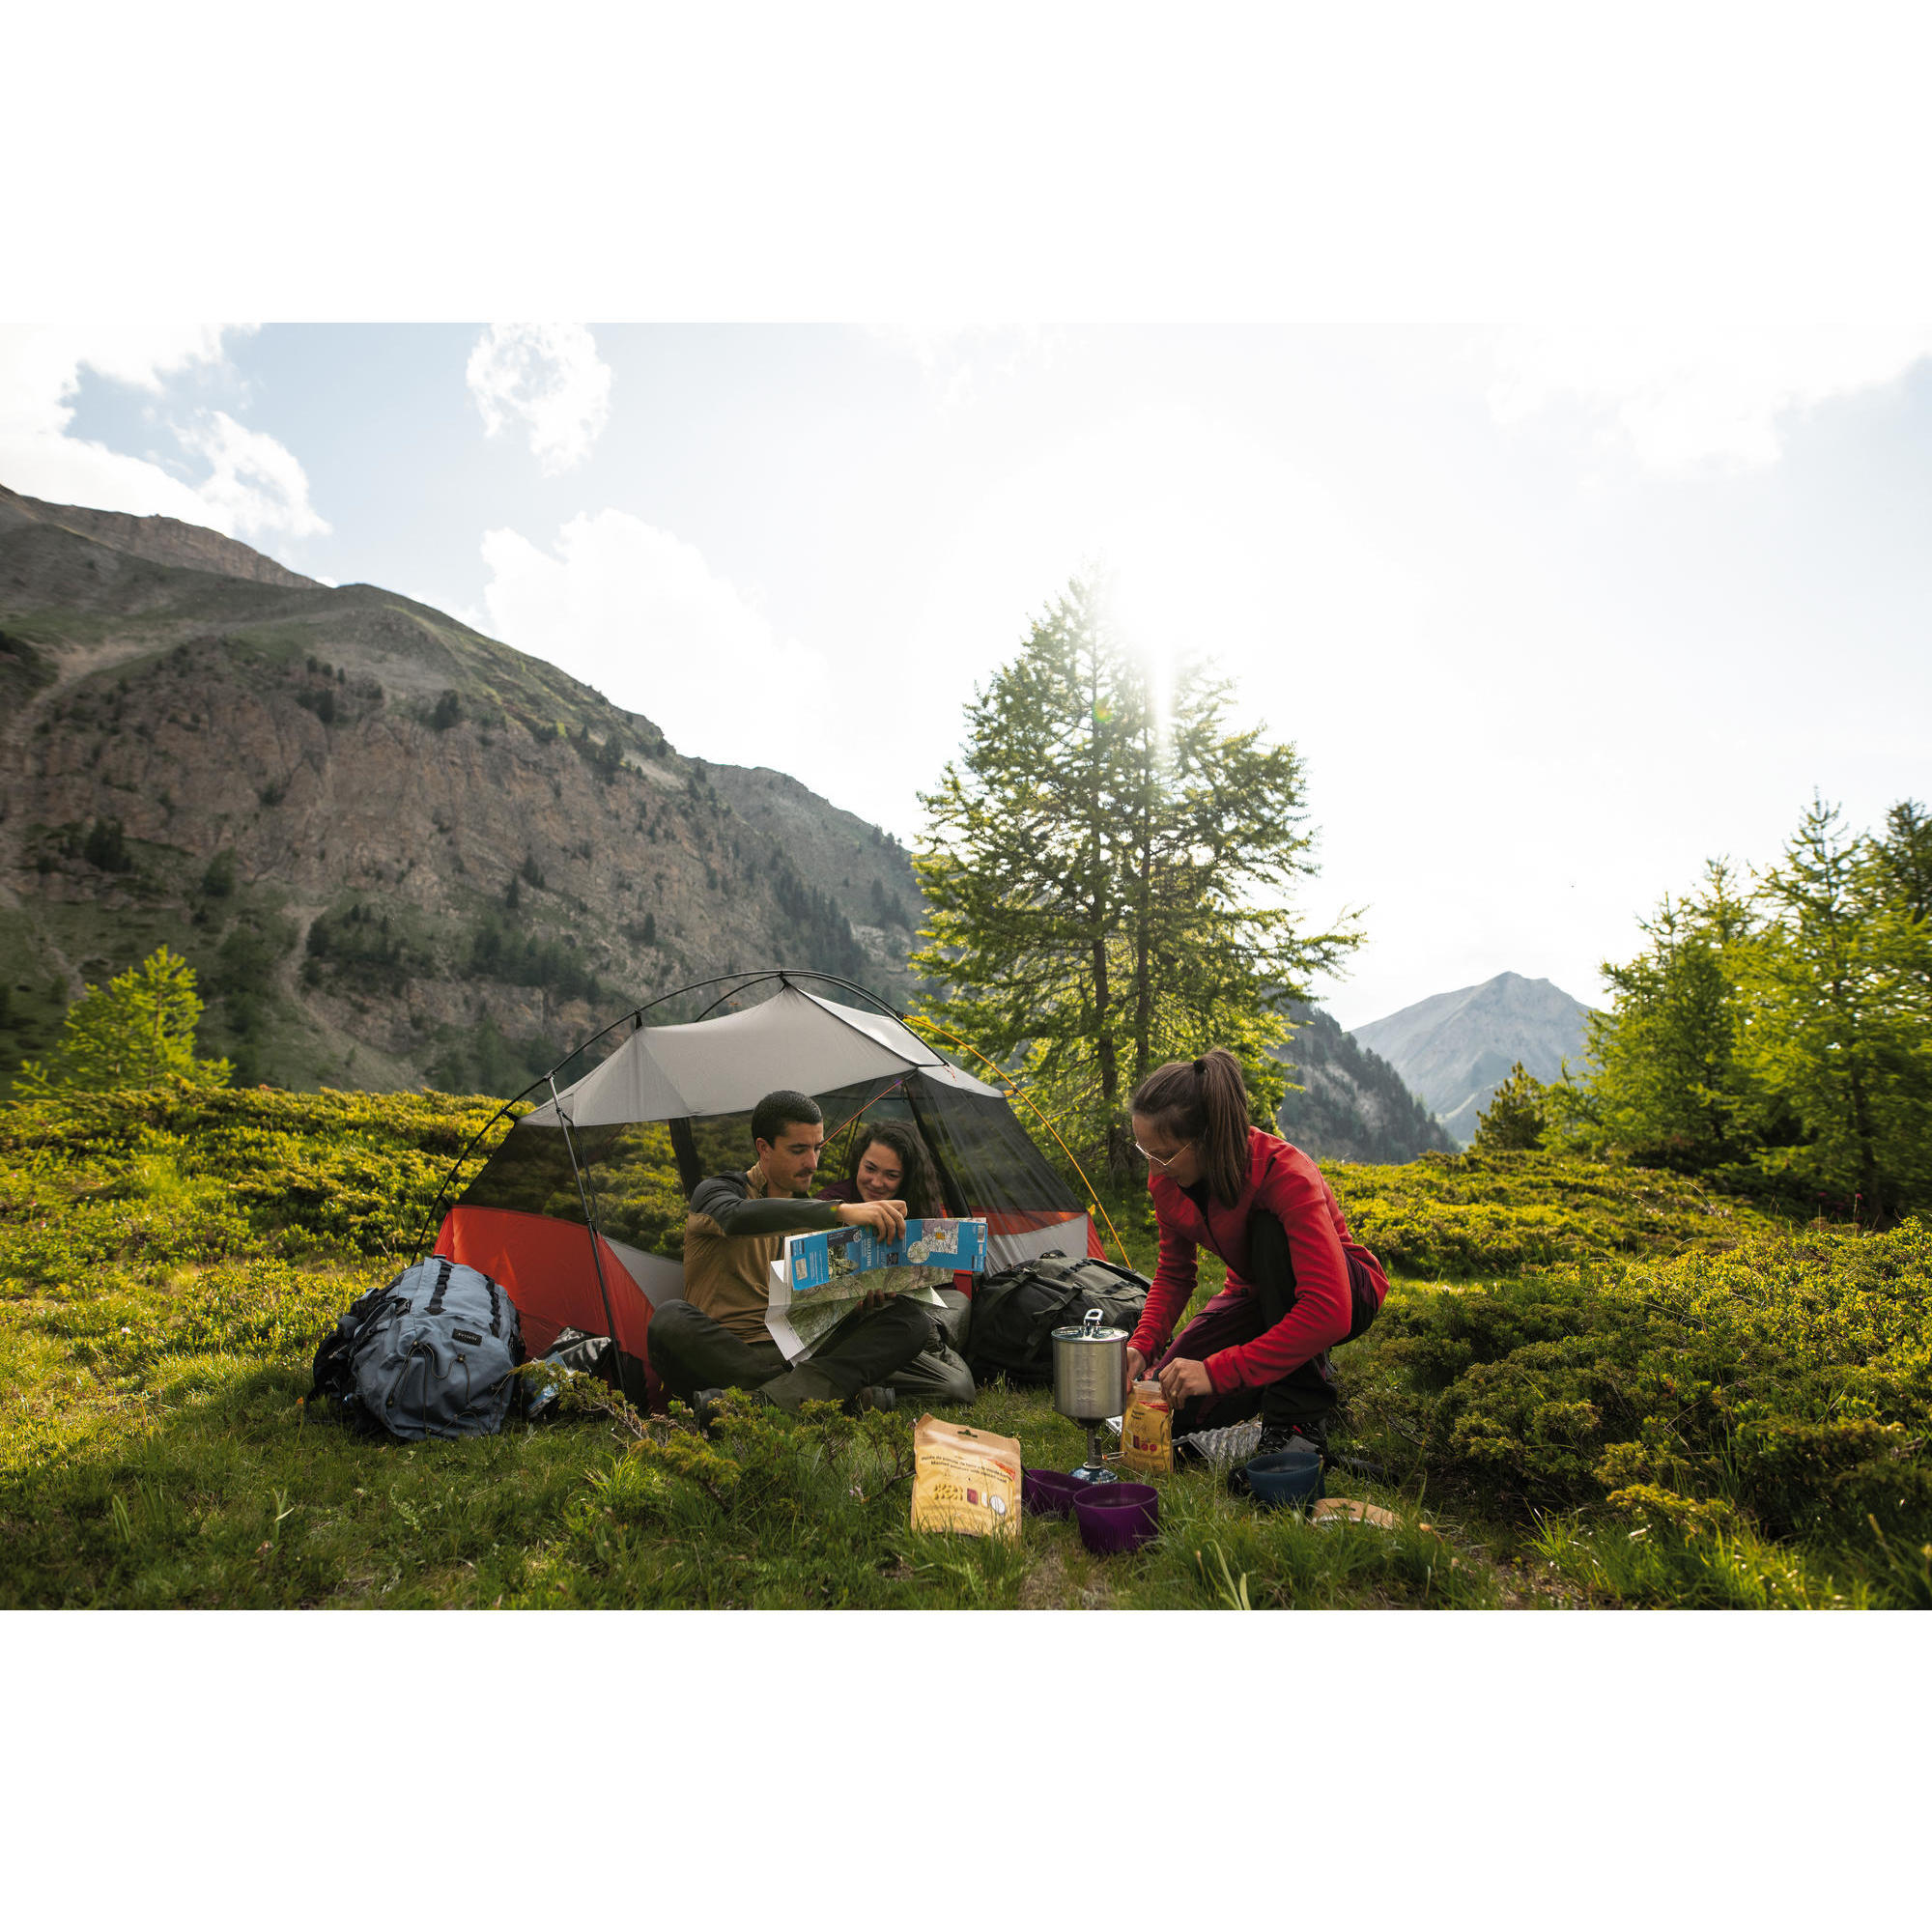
x=814 y=1262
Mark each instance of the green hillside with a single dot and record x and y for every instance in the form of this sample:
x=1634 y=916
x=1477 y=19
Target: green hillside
x=1675 y=1402
x=398 y=853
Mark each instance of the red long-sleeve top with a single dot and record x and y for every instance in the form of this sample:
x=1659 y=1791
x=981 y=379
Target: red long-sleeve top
x=1284 y=1181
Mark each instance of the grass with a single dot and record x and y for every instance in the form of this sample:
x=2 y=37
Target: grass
x=167 y=1262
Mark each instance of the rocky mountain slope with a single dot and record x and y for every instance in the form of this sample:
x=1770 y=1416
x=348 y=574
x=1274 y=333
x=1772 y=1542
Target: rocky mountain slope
x=1353 y=1104
x=398 y=852
x=1456 y=1049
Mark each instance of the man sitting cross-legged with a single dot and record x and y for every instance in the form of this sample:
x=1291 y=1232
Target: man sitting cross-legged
x=717 y=1338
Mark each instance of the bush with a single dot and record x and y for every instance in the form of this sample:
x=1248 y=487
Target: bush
x=105 y=847
x=1481 y=1213
x=1787 y=1380
x=135 y=1032
x=1516 y=1117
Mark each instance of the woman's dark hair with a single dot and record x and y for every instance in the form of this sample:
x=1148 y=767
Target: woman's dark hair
x=918 y=1188
x=1205 y=1101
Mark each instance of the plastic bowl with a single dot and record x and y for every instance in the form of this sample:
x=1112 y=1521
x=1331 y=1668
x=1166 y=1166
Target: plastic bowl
x=1288 y=1480
x=1115 y=1518
x=1047 y=1492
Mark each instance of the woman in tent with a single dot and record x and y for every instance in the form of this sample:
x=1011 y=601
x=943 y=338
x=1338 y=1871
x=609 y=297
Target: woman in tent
x=1298 y=1283
x=890 y=1163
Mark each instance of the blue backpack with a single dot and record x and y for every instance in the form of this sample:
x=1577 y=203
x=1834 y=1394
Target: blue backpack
x=430 y=1355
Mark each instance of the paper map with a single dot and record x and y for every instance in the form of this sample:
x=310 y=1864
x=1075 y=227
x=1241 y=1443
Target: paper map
x=821 y=1278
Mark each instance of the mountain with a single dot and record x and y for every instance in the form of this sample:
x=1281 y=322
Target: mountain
x=1353 y=1104
x=1456 y=1049
x=398 y=852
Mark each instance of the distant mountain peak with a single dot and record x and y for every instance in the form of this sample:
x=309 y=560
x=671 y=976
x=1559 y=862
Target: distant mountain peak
x=1455 y=1049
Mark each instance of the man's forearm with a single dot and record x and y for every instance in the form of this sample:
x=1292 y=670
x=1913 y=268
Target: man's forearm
x=744 y=1215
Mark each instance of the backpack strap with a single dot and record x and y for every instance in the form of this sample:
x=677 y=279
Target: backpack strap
x=495 y=1310
x=442 y=1286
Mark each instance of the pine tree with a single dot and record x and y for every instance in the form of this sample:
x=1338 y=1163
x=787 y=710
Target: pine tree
x=1090 y=865
x=1905 y=854
x=1838 y=1017
x=1517 y=1115
x=1665 y=1080
x=135 y=1032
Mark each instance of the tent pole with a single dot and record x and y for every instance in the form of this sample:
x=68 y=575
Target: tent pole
x=456 y=1166
x=590 y=1227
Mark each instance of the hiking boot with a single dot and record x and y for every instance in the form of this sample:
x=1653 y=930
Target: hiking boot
x=873 y=1396
x=704 y=1407
x=1307 y=1435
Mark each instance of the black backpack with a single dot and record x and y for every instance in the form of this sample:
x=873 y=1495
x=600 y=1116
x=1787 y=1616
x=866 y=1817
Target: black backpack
x=1014 y=1314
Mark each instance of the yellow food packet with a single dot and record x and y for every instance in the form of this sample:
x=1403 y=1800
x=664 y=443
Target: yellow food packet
x=1147 y=1432
x=964 y=1480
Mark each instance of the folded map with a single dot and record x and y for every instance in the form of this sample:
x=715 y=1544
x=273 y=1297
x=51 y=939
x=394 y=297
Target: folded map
x=821 y=1279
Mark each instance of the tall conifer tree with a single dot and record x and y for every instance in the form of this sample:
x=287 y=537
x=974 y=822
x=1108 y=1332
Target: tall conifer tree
x=1108 y=875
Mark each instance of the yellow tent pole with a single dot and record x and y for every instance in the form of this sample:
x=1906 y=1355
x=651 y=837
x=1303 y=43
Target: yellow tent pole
x=1015 y=1093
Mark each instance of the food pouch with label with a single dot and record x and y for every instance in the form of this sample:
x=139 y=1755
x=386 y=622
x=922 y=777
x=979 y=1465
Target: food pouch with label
x=964 y=1480
x=1147 y=1432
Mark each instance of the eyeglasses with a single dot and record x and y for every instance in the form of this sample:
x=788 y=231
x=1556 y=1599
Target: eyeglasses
x=1159 y=1161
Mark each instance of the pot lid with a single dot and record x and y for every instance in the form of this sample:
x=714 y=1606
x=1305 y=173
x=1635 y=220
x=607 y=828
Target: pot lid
x=1089 y=1330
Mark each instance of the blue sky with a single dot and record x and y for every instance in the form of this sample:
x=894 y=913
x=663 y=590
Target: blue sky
x=1551 y=615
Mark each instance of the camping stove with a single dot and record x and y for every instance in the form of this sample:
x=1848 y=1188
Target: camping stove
x=1090 y=1383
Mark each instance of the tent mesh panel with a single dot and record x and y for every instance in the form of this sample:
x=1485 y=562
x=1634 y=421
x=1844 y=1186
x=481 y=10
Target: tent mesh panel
x=981 y=1153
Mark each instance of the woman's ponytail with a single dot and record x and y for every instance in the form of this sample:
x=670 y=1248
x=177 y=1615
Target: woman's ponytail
x=1224 y=1124
x=1205 y=1101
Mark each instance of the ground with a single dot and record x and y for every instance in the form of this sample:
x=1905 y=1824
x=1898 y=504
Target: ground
x=168 y=1262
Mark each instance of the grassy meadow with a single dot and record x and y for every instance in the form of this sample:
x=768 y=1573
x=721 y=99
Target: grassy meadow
x=1594 y=1385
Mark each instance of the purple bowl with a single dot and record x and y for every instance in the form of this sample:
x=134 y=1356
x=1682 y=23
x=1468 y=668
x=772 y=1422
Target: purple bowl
x=1115 y=1518
x=1047 y=1492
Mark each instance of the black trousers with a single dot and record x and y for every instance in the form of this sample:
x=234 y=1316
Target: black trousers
x=1303 y=1397
x=690 y=1351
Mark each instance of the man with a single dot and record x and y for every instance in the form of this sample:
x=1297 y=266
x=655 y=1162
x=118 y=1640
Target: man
x=717 y=1338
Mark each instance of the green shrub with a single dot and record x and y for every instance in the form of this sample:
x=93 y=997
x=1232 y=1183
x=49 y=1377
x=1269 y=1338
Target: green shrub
x=1789 y=1378
x=1486 y=1214
x=136 y=1032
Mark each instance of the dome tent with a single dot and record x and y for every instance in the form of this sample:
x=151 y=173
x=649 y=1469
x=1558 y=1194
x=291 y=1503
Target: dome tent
x=566 y=1211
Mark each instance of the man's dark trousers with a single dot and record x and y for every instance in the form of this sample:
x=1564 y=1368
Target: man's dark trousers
x=690 y=1351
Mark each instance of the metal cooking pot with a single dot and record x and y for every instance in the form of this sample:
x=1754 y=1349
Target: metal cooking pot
x=1090 y=1369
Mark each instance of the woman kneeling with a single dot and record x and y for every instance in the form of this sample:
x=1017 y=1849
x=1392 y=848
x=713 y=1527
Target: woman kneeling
x=1297 y=1284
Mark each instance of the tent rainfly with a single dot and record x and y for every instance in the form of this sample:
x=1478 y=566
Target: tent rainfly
x=568 y=1211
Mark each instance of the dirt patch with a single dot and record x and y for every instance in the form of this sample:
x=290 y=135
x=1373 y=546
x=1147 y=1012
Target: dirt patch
x=1047 y=1586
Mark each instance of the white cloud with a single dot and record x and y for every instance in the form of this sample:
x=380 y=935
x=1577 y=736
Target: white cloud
x=1695 y=401
x=962 y=364
x=638 y=613
x=549 y=375
x=256 y=482
x=256 y=488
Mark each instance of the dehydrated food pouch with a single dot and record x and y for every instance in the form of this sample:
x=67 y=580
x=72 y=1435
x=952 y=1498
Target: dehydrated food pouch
x=964 y=1480
x=1147 y=1432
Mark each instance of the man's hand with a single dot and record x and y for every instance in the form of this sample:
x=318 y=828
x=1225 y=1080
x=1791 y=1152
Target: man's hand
x=886 y=1219
x=1180 y=1380
x=1136 y=1368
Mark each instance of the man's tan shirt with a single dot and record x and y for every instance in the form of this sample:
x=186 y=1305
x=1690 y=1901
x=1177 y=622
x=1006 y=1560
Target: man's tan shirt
x=728 y=1276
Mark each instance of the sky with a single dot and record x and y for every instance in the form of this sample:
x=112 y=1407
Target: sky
x=1560 y=495
x=1552 y=615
